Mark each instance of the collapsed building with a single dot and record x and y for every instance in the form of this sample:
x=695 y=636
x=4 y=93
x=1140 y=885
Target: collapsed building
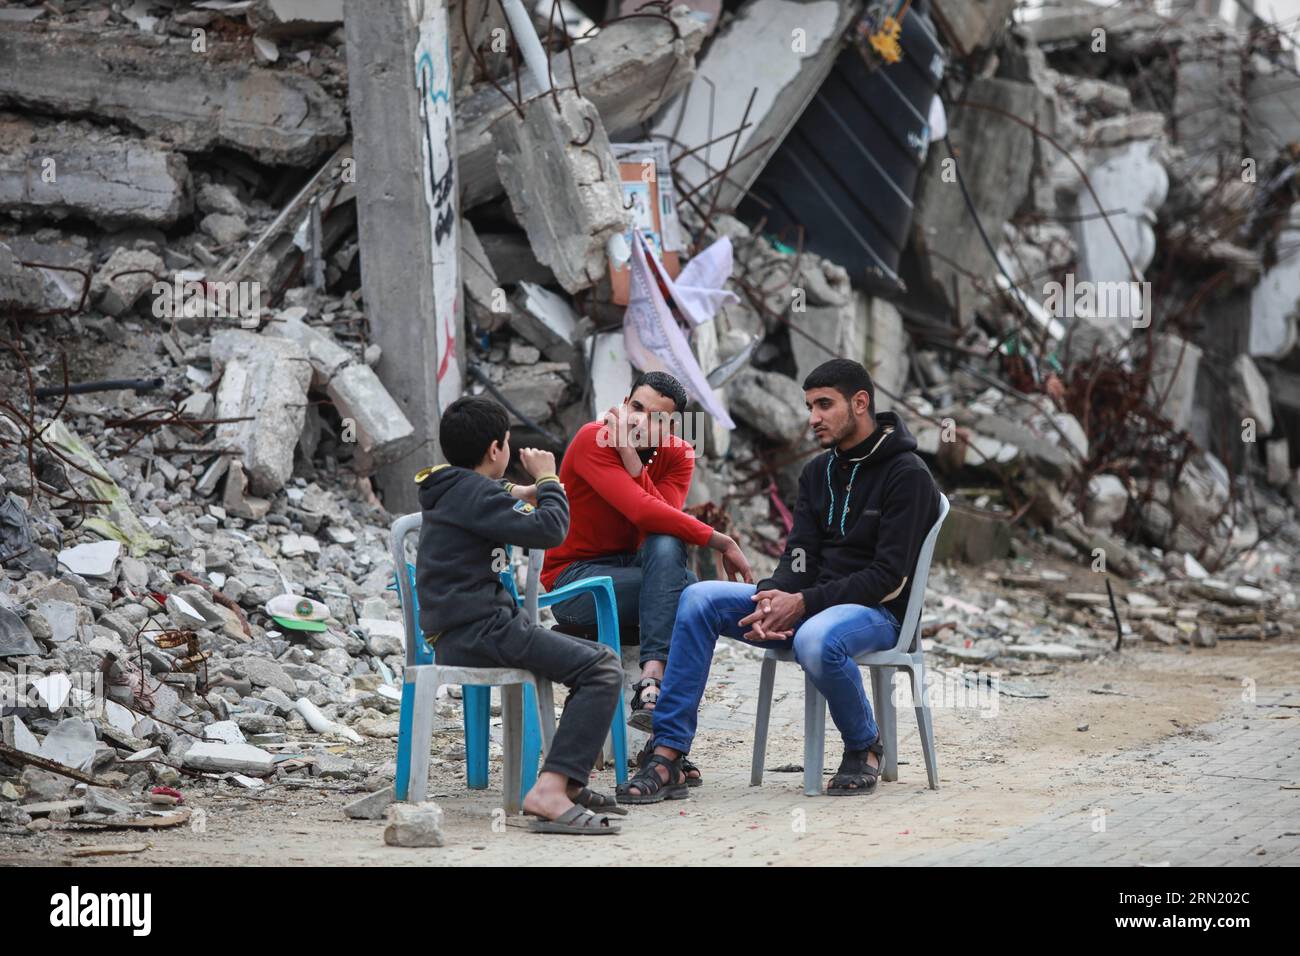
x=1063 y=240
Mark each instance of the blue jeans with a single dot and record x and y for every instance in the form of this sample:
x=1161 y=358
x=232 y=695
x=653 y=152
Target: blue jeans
x=647 y=584
x=824 y=644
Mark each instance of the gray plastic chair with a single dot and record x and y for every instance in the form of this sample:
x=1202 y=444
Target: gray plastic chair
x=421 y=681
x=905 y=654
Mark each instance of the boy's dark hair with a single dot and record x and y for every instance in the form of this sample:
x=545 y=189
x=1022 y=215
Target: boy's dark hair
x=845 y=376
x=468 y=428
x=665 y=385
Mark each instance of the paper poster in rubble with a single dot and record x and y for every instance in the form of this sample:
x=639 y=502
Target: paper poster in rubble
x=654 y=339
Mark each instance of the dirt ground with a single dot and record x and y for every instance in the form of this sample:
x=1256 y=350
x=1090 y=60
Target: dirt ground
x=1002 y=764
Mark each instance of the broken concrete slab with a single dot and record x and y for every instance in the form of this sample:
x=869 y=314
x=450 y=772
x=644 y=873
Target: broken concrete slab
x=769 y=402
x=536 y=390
x=81 y=171
x=1275 y=301
x=381 y=430
x=970 y=25
x=229 y=758
x=1107 y=501
x=95 y=559
x=235 y=497
x=274 y=116
x=950 y=247
x=1172 y=385
x=263 y=672
x=1131 y=179
x=327 y=357
x=486 y=303
x=15 y=639
x=567 y=196
x=71 y=744
x=752 y=51
x=372 y=806
x=546 y=320
x=264 y=378
x=1250 y=394
x=1208 y=108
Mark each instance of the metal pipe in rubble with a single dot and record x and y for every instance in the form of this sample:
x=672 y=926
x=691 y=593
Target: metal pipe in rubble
x=538 y=63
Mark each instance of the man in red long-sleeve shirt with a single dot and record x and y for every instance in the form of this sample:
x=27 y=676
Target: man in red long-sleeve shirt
x=627 y=477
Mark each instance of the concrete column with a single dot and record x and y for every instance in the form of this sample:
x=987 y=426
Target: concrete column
x=403 y=125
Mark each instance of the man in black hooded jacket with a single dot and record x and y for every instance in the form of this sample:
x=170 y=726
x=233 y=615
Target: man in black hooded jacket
x=841 y=588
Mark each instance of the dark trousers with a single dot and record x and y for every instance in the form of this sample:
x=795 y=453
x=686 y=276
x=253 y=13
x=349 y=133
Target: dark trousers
x=592 y=673
x=647 y=585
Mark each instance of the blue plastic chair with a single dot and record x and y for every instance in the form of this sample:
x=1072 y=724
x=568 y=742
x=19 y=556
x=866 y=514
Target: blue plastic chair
x=476 y=699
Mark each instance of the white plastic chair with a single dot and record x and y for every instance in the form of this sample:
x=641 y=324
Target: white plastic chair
x=905 y=654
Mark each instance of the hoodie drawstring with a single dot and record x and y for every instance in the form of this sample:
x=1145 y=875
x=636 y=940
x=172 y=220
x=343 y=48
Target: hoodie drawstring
x=848 y=492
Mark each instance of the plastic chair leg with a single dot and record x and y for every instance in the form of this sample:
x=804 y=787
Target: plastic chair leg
x=477 y=706
x=814 y=737
x=888 y=721
x=925 y=725
x=766 y=681
x=426 y=689
x=512 y=701
x=531 y=748
x=607 y=631
x=546 y=712
x=404 y=738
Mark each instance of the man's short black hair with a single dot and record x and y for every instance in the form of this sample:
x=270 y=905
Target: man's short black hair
x=468 y=428
x=665 y=385
x=845 y=376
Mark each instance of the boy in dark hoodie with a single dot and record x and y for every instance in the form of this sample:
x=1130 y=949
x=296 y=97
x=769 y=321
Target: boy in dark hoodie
x=841 y=587
x=470 y=620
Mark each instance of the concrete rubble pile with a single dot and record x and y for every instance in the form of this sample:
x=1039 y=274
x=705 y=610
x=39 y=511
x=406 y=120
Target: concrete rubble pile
x=233 y=444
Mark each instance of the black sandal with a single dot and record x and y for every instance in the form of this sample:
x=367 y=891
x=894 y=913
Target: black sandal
x=687 y=767
x=652 y=788
x=855 y=775
x=601 y=802
x=643 y=718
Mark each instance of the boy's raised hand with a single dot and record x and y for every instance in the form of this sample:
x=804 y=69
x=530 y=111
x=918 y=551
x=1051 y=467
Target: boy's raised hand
x=537 y=462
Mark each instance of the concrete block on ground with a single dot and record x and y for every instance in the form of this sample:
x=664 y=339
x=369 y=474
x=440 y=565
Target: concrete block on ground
x=414 y=824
